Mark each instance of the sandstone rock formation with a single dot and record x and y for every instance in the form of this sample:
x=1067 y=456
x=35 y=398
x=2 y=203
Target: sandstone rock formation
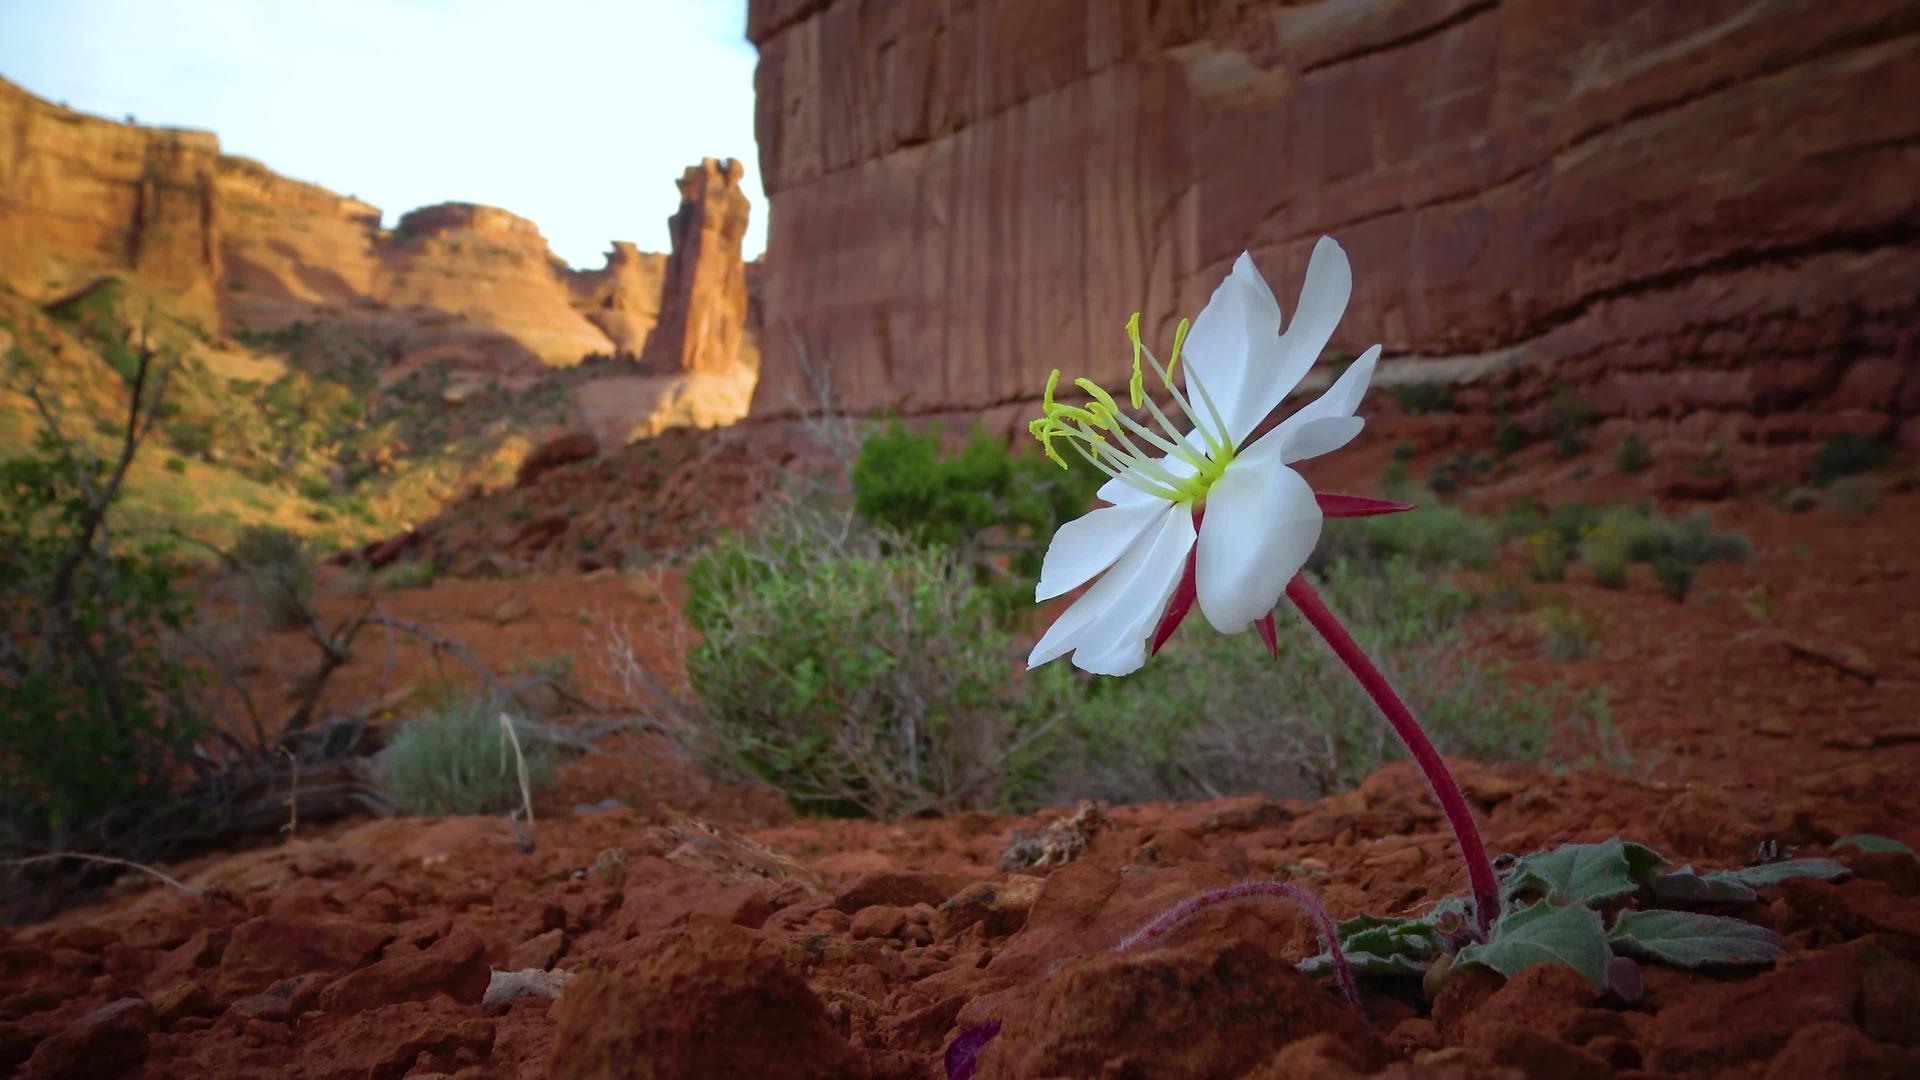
x=622 y=298
x=80 y=196
x=1664 y=208
x=704 y=303
x=472 y=288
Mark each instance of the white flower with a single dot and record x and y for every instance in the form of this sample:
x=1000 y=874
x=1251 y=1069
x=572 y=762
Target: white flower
x=1207 y=514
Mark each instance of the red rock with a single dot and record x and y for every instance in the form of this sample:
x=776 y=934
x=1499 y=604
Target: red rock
x=960 y=196
x=1837 y=1051
x=184 y=998
x=455 y=966
x=384 y=1043
x=707 y=999
x=554 y=453
x=538 y=952
x=703 y=305
x=1731 y=1025
x=899 y=889
x=266 y=949
x=1831 y=912
x=109 y=1041
x=1141 y=1008
x=1535 y=1053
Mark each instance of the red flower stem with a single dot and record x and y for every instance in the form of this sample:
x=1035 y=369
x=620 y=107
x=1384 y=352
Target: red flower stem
x=1481 y=879
x=1182 y=913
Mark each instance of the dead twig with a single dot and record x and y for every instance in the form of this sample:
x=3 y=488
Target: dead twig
x=107 y=860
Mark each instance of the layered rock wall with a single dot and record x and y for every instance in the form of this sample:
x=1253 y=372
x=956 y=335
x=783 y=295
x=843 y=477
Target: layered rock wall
x=80 y=195
x=1665 y=207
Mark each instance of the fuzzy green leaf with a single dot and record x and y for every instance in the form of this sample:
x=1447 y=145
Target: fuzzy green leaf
x=1683 y=886
x=1759 y=877
x=1365 y=963
x=1584 y=873
x=1545 y=934
x=1691 y=940
x=1387 y=936
x=1870 y=842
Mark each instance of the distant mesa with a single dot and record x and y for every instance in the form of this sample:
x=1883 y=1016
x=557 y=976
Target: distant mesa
x=474 y=288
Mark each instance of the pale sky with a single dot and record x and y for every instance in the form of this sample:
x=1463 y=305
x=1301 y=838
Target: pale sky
x=577 y=114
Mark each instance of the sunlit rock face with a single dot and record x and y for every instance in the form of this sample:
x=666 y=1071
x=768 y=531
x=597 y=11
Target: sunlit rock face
x=1675 y=210
x=475 y=289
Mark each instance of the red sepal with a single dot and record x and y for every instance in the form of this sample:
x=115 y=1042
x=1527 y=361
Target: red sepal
x=1333 y=505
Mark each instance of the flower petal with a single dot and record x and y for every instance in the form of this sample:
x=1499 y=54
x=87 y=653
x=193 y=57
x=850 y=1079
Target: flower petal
x=1262 y=522
x=1118 y=644
x=1319 y=436
x=1108 y=596
x=1090 y=543
x=1275 y=370
x=1288 y=441
x=1234 y=332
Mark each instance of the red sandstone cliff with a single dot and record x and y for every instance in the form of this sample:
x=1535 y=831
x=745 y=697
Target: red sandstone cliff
x=1668 y=208
x=80 y=196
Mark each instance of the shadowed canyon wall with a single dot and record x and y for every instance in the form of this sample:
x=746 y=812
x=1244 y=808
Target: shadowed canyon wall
x=1702 y=210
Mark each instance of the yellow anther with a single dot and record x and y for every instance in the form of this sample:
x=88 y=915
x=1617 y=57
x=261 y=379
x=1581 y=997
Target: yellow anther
x=1173 y=361
x=1102 y=404
x=1135 y=388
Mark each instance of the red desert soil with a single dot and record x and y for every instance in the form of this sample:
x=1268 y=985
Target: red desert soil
x=703 y=932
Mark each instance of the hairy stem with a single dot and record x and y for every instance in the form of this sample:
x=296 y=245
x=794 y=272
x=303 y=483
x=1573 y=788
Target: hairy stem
x=1184 y=912
x=1481 y=879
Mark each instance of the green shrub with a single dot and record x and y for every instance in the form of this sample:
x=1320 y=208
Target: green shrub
x=98 y=722
x=277 y=572
x=1692 y=540
x=995 y=510
x=1213 y=715
x=1435 y=536
x=453 y=759
x=1846 y=454
x=859 y=675
x=1509 y=438
x=1422 y=397
x=1631 y=456
x=1604 y=551
x=405 y=575
x=1546 y=556
x=1674 y=574
x=1570 y=633
x=176 y=464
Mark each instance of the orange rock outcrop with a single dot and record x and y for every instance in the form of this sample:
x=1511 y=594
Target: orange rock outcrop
x=704 y=302
x=1664 y=209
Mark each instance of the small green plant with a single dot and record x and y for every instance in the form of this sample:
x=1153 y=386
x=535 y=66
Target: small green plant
x=1568 y=416
x=1844 y=455
x=1570 y=633
x=1854 y=496
x=1603 y=549
x=1509 y=438
x=176 y=464
x=1546 y=556
x=1437 y=536
x=451 y=759
x=1675 y=575
x=277 y=572
x=405 y=575
x=1422 y=397
x=1631 y=456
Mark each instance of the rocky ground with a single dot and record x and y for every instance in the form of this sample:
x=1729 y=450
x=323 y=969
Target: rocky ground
x=666 y=926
